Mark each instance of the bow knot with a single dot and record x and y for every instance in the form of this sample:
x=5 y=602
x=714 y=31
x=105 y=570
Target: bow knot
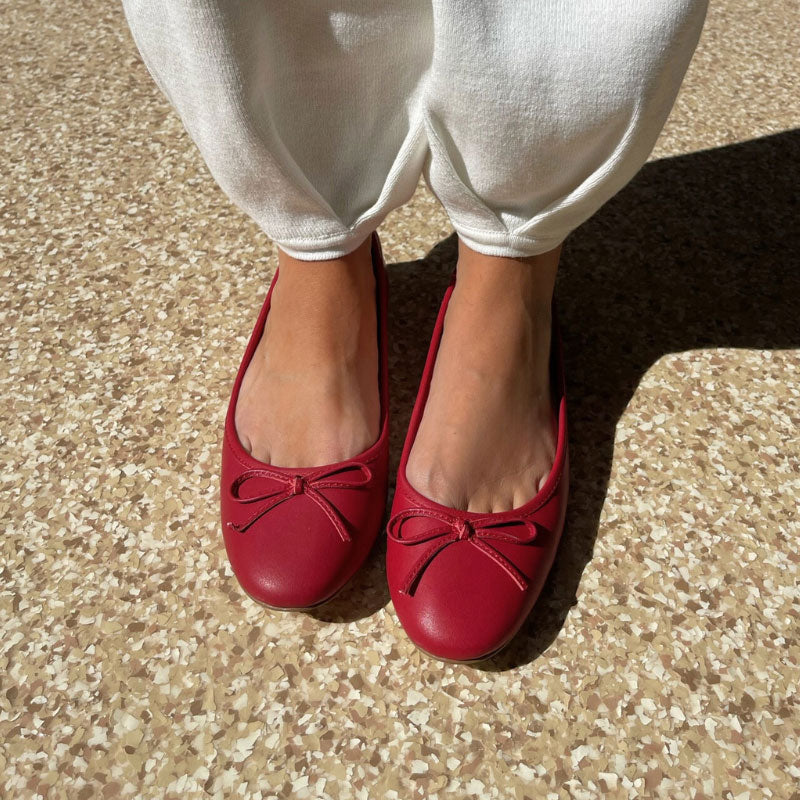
x=464 y=530
x=478 y=532
x=310 y=485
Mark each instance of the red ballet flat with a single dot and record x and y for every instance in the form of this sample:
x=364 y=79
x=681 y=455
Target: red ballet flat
x=294 y=537
x=462 y=583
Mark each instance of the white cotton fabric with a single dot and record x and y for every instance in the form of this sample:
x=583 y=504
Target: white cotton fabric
x=316 y=117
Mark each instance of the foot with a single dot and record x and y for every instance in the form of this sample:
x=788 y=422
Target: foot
x=310 y=394
x=486 y=441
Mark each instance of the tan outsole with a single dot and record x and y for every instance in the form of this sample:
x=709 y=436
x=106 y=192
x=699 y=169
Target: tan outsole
x=467 y=661
x=297 y=608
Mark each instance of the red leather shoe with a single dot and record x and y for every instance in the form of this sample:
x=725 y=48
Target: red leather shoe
x=294 y=537
x=462 y=582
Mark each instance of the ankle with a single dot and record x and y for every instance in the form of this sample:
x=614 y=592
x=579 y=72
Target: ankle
x=324 y=308
x=498 y=330
x=506 y=282
x=350 y=274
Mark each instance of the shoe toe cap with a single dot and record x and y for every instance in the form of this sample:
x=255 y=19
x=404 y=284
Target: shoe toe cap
x=460 y=610
x=293 y=558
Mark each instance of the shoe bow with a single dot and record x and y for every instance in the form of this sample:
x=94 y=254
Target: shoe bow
x=479 y=532
x=310 y=485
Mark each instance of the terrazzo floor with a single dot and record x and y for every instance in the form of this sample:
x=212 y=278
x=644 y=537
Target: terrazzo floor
x=662 y=658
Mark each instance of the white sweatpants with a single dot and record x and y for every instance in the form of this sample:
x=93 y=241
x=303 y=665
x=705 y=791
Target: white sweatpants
x=316 y=117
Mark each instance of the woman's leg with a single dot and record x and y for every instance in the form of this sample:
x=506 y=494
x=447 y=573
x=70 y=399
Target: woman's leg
x=537 y=113
x=308 y=117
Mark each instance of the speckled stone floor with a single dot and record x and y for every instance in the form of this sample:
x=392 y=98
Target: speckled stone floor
x=662 y=659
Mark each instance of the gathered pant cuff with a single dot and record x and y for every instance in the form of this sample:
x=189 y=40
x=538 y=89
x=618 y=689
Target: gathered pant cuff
x=508 y=245
x=490 y=243
x=326 y=247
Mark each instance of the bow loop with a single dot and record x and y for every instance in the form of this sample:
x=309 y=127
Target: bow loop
x=397 y=534
x=508 y=530
x=477 y=531
x=350 y=476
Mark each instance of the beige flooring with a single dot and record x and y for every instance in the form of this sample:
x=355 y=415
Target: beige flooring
x=662 y=659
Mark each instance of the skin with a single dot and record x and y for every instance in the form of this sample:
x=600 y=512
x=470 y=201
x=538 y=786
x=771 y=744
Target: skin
x=486 y=441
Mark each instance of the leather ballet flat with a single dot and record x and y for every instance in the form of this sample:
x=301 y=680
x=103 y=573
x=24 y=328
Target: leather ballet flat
x=294 y=537
x=462 y=583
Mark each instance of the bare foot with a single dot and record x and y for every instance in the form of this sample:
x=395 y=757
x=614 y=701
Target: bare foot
x=486 y=441
x=310 y=395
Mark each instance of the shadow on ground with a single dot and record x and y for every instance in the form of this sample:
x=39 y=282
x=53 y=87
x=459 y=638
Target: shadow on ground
x=697 y=251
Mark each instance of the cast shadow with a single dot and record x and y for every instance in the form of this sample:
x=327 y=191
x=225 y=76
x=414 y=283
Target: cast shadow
x=697 y=251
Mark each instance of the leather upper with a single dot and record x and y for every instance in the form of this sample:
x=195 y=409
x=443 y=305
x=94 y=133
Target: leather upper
x=294 y=537
x=462 y=583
